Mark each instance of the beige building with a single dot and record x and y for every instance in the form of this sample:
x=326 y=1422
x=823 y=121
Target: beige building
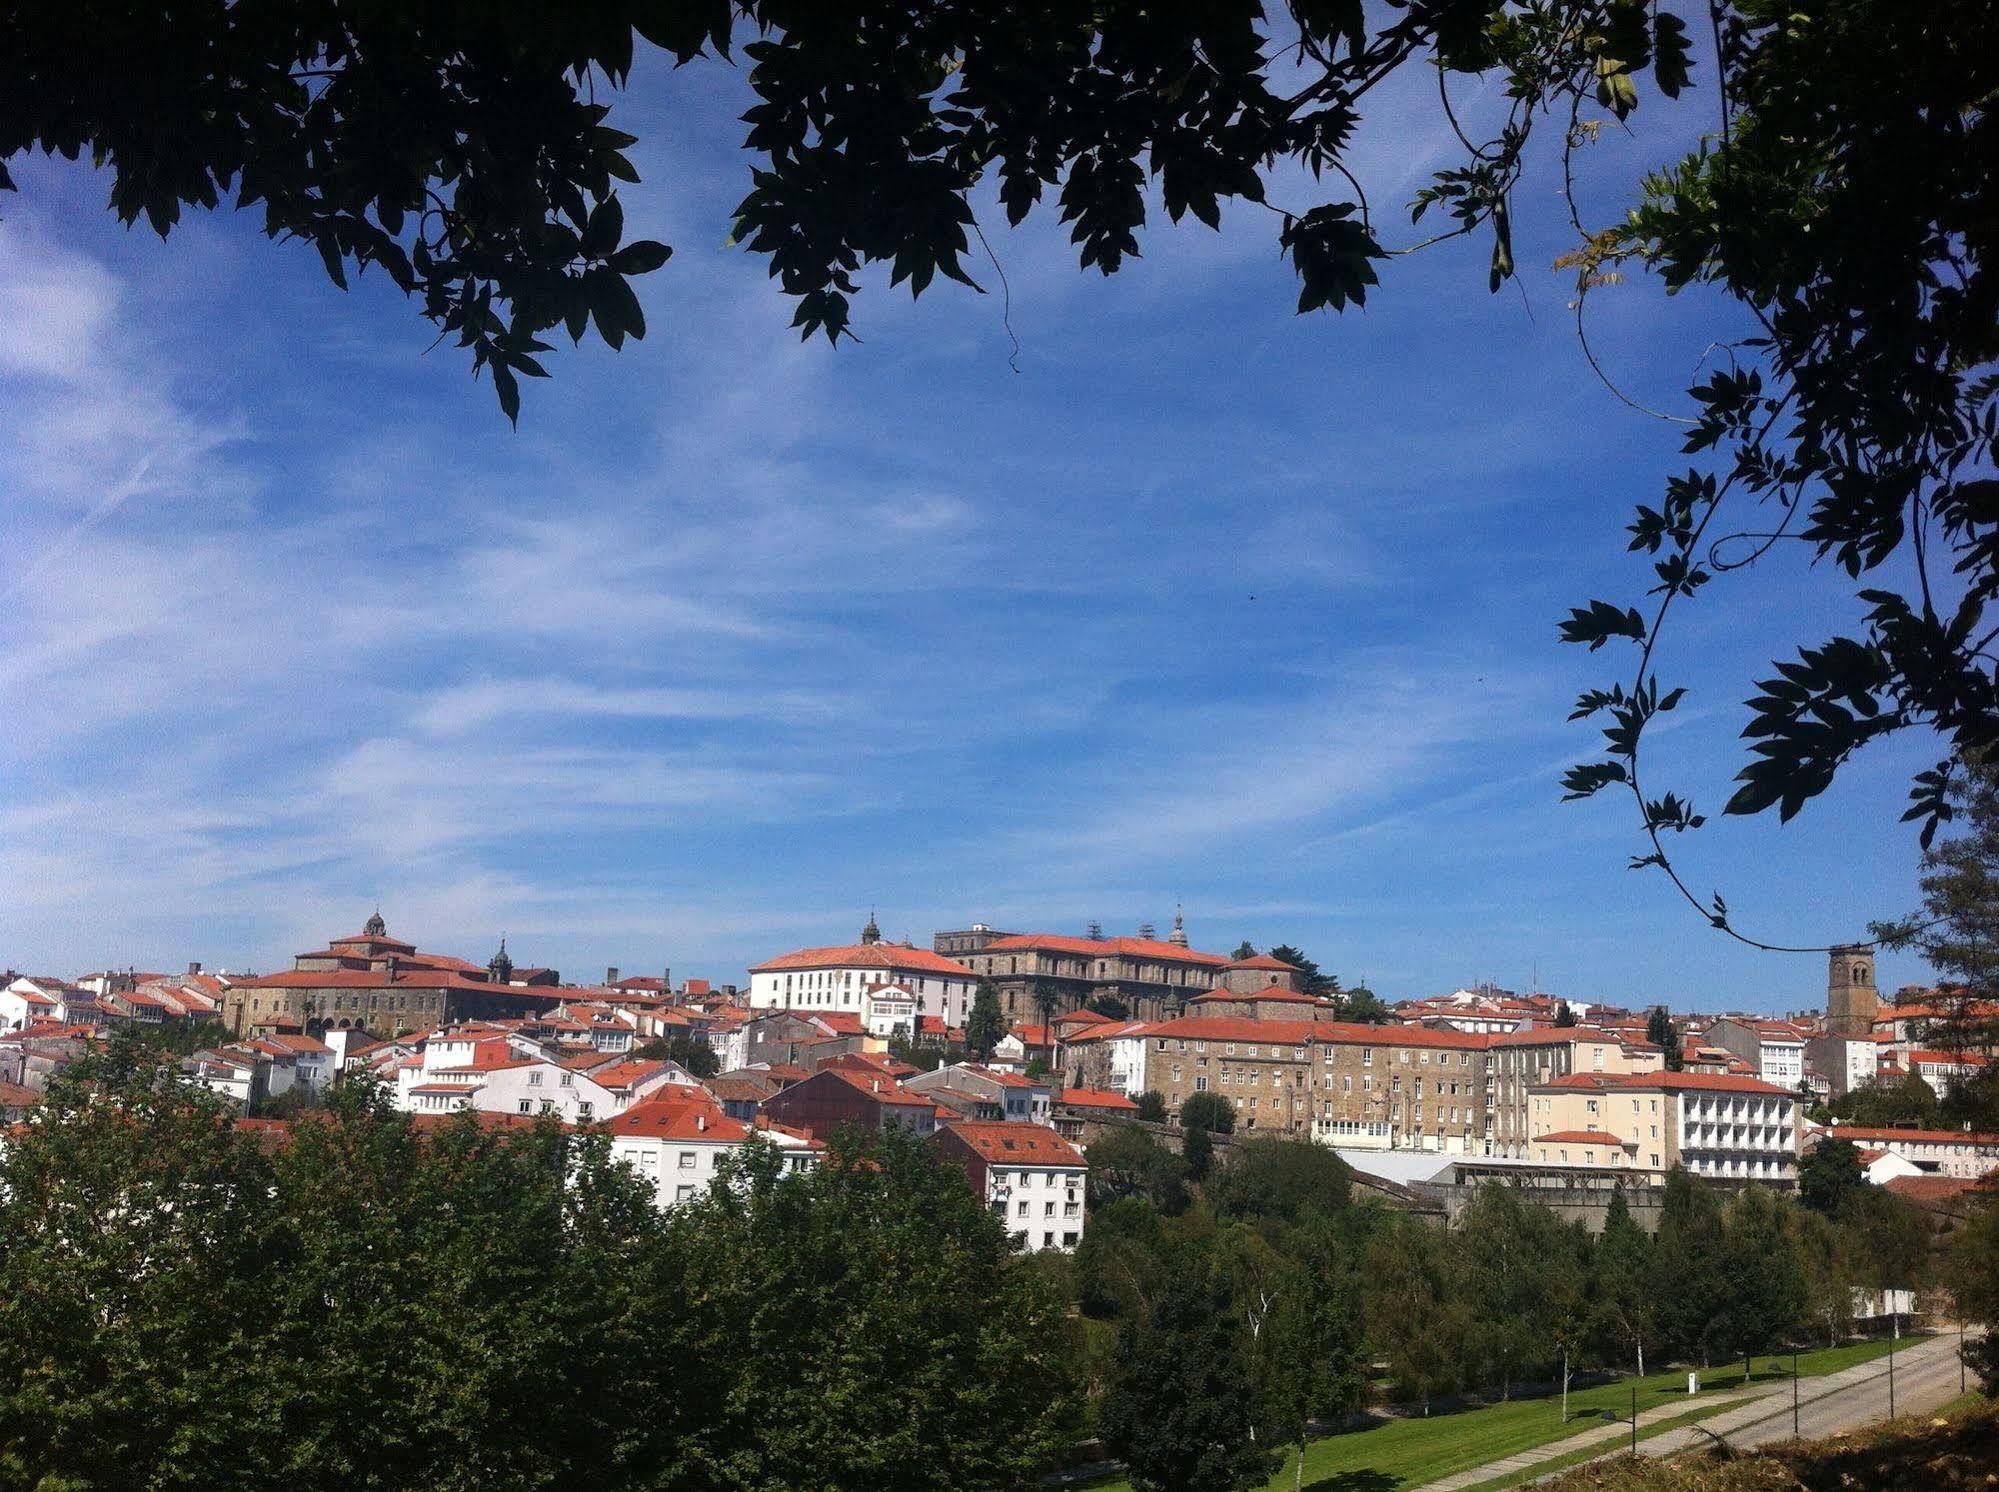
x=1263 y=1068
x=1722 y=1126
x=382 y=985
x=1339 y=1082
x=1401 y=1088
x=1154 y=977
x=1523 y=1059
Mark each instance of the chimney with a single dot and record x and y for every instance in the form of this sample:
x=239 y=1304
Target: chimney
x=194 y=967
x=611 y=975
x=666 y=979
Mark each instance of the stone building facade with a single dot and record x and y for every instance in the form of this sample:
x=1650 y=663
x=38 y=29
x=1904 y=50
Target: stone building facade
x=1049 y=974
x=382 y=985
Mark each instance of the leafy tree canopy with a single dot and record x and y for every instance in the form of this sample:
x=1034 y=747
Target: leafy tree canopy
x=1269 y=1177
x=1209 y=1111
x=1313 y=981
x=1830 y=1173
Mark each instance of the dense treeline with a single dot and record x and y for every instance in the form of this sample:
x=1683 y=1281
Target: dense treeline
x=1193 y=1280
x=363 y=1300
x=368 y=1302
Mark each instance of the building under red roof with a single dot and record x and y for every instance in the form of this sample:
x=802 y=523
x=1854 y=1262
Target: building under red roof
x=865 y=956
x=1150 y=948
x=1015 y=1144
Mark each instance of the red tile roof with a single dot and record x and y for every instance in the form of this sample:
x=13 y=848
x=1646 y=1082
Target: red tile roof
x=1263 y=961
x=1148 y=948
x=1096 y=1098
x=1239 y=1028
x=865 y=956
x=1888 y=1134
x=679 y=1119
x=1581 y=1137
x=1016 y=1144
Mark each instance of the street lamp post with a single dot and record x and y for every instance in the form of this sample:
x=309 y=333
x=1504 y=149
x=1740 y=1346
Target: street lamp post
x=1891 y=1377
x=1794 y=1393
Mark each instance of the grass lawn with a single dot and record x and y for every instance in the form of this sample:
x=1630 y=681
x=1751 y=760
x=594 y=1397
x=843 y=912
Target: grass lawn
x=1409 y=1452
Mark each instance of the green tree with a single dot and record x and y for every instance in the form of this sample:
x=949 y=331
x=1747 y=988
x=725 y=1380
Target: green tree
x=1688 y=1290
x=1108 y=1006
x=1197 y=1149
x=1564 y=1016
x=1826 y=1270
x=872 y=1310
x=1517 y=1256
x=1907 y=1099
x=1268 y=1177
x=1312 y=980
x=1125 y=1161
x=1315 y=1359
x=1178 y=1405
x=1621 y=1280
x=1888 y=1240
x=1956 y=930
x=1152 y=1106
x=1361 y=1004
x=690 y=1051
x=1416 y=1317
x=985 y=1027
x=1662 y=1033
x=1762 y=1282
x=1244 y=949
x=1046 y=998
x=1830 y=1173
x=1971 y=1270
x=1209 y=1111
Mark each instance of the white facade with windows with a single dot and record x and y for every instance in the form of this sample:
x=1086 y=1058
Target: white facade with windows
x=1726 y=1133
x=1042 y=1205
x=845 y=979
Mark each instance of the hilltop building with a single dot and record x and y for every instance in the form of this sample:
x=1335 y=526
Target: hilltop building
x=380 y=984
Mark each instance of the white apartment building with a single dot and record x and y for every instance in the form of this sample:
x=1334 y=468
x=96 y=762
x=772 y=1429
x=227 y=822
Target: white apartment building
x=1715 y=1124
x=1965 y=1154
x=1729 y=1126
x=1845 y=1062
x=1028 y=1175
x=675 y=1144
x=1776 y=1049
x=843 y=978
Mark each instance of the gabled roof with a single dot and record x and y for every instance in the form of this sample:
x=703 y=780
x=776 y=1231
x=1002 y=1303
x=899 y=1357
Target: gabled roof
x=1146 y=948
x=1263 y=961
x=865 y=956
x=1095 y=1098
x=1015 y=1144
x=1582 y=1137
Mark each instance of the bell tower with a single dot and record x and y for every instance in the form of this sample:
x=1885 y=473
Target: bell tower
x=1850 y=996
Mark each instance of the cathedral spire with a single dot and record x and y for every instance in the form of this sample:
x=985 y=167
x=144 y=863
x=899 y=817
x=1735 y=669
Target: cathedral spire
x=871 y=933
x=501 y=968
x=1178 y=937
x=375 y=927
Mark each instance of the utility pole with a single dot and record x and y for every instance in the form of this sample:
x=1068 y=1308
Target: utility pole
x=1891 y=1377
x=1794 y=1393
x=1634 y=1419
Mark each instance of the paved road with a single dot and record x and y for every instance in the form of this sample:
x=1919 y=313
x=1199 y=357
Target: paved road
x=1926 y=1375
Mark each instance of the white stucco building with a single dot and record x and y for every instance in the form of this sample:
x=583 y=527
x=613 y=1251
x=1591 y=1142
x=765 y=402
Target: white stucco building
x=675 y=1144
x=845 y=977
x=1027 y=1174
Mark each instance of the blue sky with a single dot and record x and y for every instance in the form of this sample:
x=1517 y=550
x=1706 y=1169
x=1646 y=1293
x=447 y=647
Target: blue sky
x=736 y=637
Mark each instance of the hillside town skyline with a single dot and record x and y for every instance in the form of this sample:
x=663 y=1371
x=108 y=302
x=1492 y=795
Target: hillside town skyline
x=1793 y=981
